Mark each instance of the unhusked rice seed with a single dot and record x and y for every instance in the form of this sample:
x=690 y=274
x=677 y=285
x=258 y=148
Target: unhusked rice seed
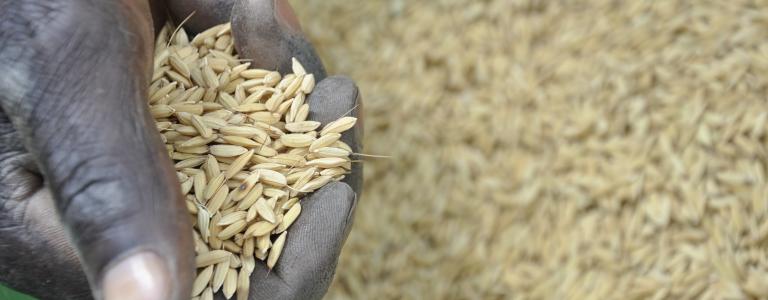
x=235 y=135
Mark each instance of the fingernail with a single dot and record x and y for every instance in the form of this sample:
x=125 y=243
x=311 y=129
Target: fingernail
x=286 y=16
x=140 y=276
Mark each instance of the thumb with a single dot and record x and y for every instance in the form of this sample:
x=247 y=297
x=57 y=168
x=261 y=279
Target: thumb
x=76 y=89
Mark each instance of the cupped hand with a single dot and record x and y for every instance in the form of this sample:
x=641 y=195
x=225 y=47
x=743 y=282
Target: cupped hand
x=89 y=202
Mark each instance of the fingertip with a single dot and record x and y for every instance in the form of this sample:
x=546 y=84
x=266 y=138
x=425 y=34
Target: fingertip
x=268 y=33
x=332 y=98
x=140 y=276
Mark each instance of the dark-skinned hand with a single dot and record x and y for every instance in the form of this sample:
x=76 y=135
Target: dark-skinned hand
x=90 y=206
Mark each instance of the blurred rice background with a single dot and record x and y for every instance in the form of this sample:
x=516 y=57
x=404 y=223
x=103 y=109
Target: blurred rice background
x=585 y=149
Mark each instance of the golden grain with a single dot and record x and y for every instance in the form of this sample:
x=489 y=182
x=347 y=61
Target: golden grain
x=202 y=280
x=277 y=249
x=219 y=275
x=225 y=128
x=230 y=283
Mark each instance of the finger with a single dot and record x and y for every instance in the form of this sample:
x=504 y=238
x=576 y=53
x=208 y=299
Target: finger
x=34 y=245
x=204 y=13
x=268 y=33
x=308 y=261
x=76 y=92
x=32 y=241
x=335 y=97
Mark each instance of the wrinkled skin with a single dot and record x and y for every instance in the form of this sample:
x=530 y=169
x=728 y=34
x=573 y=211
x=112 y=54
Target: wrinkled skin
x=84 y=178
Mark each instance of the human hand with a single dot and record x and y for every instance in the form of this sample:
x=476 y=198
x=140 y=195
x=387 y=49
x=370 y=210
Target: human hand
x=79 y=154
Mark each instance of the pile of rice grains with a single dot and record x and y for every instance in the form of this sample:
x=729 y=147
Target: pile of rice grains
x=587 y=149
x=243 y=149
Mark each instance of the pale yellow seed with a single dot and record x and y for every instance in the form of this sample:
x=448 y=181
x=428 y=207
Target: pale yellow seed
x=306 y=176
x=227 y=101
x=190 y=162
x=227 y=150
x=240 y=141
x=265 y=211
x=243 y=285
x=245 y=187
x=308 y=84
x=277 y=249
x=213 y=240
x=283 y=109
x=231 y=218
x=207 y=294
x=296 y=67
x=328 y=162
x=303 y=126
x=213 y=185
x=324 y=141
x=265 y=117
x=251 y=197
x=266 y=151
x=289 y=218
x=239 y=163
x=258 y=134
x=248 y=246
x=255 y=73
x=297 y=140
x=176 y=77
x=211 y=258
x=274 y=193
x=161 y=111
x=203 y=221
x=219 y=275
x=290 y=203
x=218 y=199
x=230 y=284
x=315 y=184
x=198 y=141
x=179 y=65
x=195 y=109
x=218 y=116
x=292 y=88
x=263 y=243
x=232 y=229
x=250 y=107
x=162 y=92
x=200 y=126
x=331 y=152
x=274 y=101
x=185 y=130
x=209 y=76
x=260 y=228
x=302 y=114
x=339 y=126
x=272 y=177
x=272 y=78
x=212 y=168
x=202 y=280
x=333 y=172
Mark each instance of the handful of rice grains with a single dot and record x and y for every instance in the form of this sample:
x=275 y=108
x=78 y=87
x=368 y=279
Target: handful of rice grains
x=243 y=149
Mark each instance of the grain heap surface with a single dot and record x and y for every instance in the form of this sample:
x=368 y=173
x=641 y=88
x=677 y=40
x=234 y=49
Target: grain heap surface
x=586 y=149
x=243 y=149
